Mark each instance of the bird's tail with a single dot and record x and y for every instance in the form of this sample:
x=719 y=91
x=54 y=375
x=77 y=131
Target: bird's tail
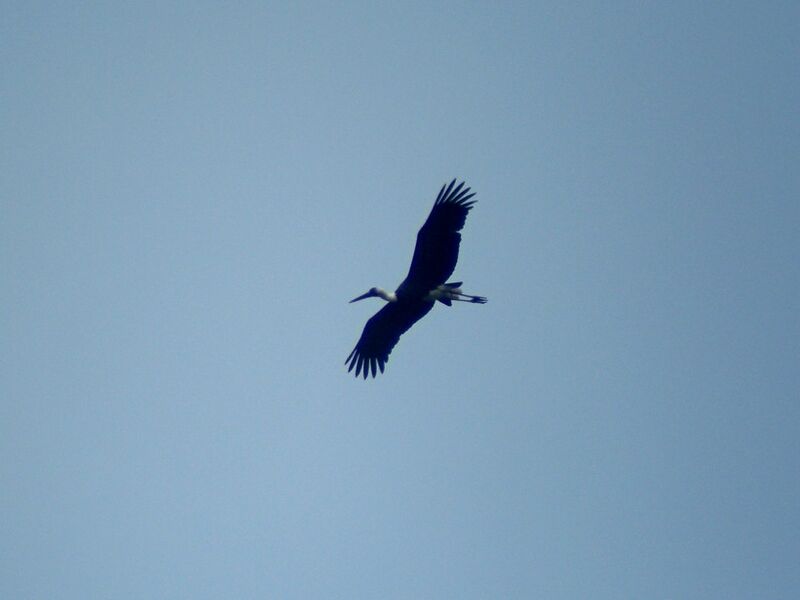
x=452 y=291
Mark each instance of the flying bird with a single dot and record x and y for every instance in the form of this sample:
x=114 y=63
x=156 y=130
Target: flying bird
x=434 y=260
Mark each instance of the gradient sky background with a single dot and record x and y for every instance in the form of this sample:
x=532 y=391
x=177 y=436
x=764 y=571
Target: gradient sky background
x=191 y=193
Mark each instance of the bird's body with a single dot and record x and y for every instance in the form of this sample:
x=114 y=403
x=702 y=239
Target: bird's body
x=435 y=257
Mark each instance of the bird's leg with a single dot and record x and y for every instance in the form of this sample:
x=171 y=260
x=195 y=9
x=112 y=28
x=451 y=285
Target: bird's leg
x=468 y=298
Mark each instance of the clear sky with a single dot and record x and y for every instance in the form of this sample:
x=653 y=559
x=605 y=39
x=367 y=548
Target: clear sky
x=192 y=192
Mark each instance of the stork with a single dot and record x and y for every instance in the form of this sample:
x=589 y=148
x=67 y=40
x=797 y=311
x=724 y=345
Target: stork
x=434 y=260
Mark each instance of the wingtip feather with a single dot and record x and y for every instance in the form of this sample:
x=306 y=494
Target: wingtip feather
x=456 y=198
x=464 y=198
x=441 y=193
x=449 y=189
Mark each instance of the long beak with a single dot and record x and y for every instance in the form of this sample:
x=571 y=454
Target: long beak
x=361 y=297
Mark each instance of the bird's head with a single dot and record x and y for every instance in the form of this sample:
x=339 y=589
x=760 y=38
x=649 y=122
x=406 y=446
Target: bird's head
x=371 y=293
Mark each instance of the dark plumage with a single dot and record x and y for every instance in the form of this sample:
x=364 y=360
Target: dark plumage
x=382 y=332
x=434 y=260
x=438 y=241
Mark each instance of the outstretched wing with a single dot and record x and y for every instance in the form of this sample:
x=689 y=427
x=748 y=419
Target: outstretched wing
x=436 y=252
x=382 y=332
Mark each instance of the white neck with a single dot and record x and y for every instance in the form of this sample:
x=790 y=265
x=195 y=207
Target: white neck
x=388 y=296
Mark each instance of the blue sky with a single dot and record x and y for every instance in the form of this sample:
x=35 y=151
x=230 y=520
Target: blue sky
x=191 y=193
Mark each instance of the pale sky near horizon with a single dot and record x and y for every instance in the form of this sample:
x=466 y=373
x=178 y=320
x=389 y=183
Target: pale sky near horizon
x=191 y=194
